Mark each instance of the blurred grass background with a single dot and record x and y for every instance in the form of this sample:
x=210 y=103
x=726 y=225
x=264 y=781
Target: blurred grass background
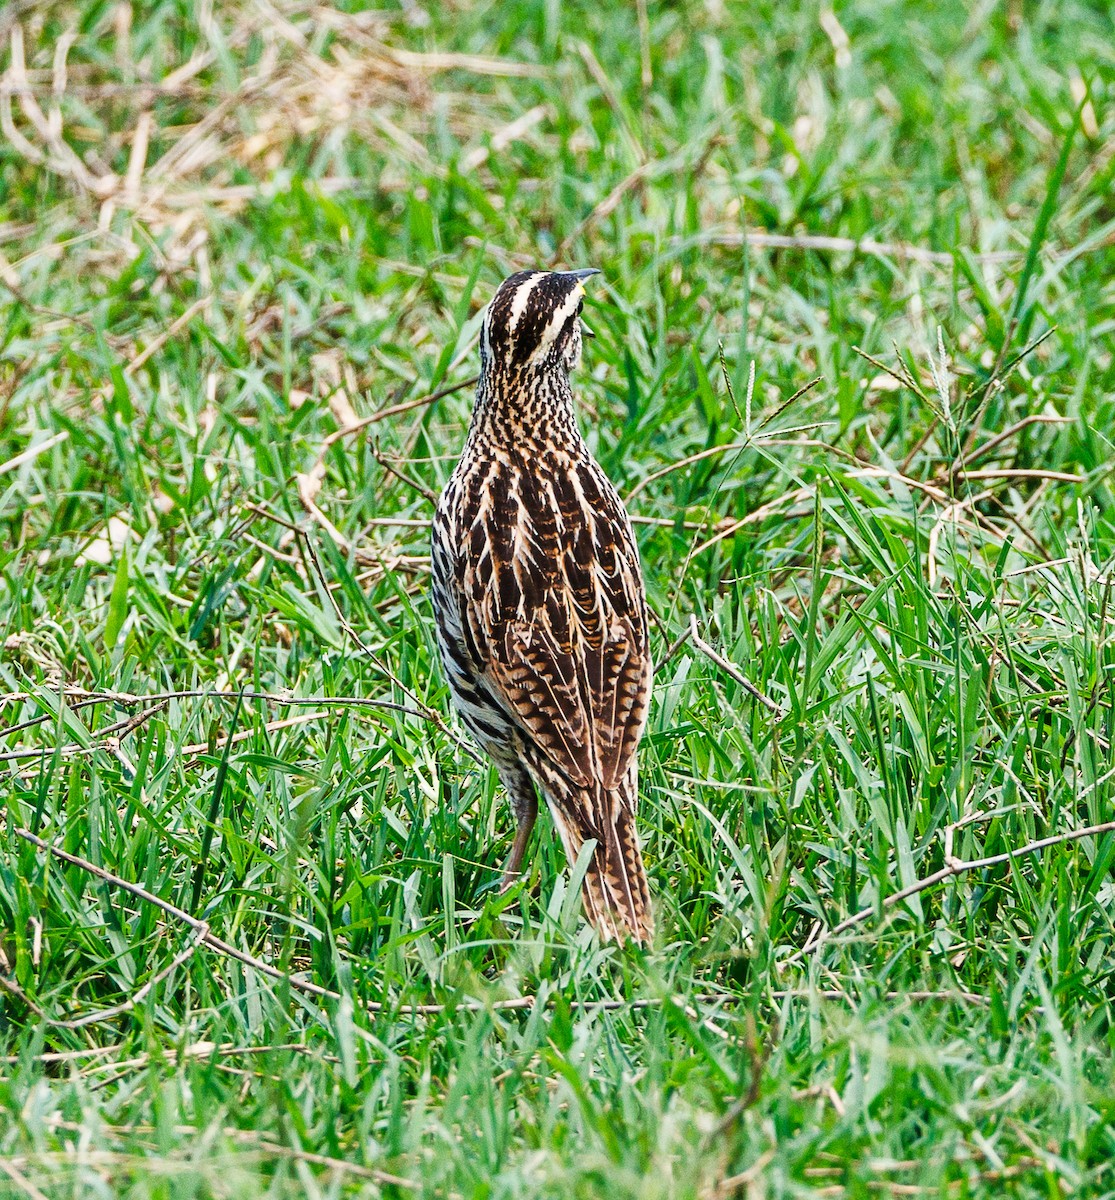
x=230 y=234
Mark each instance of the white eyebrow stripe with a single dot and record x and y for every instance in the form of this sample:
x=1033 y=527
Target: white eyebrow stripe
x=519 y=301
x=557 y=321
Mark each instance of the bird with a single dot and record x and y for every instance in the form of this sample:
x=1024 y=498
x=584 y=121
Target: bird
x=540 y=603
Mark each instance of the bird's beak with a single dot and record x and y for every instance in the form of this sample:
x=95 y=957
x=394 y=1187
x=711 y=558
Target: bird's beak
x=580 y=276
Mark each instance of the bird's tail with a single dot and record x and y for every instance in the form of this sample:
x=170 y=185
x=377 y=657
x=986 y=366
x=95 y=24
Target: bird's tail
x=615 y=891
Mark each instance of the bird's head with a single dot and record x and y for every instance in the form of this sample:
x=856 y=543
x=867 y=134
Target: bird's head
x=534 y=322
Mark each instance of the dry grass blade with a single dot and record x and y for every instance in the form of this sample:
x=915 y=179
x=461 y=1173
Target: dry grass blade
x=727 y=528
x=195 y=939
x=992 y=443
x=953 y=866
x=604 y=208
x=502 y=138
x=393 y=410
x=107 y=740
x=1022 y=473
x=200 y=928
x=842 y=245
x=20 y=1180
x=731 y=670
x=33 y=452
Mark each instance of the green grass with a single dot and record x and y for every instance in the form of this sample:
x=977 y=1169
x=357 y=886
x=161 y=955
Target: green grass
x=318 y=208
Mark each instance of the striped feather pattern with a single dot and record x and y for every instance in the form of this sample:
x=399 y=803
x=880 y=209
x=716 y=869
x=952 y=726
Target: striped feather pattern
x=539 y=600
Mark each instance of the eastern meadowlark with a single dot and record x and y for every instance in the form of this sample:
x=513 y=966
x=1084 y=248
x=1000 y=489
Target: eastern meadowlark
x=539 y=600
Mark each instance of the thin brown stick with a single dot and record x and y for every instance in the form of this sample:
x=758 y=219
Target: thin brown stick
x=340 y=1165
x=414 y=484
x=605 y=208
x=843 y=245
x=502 y=138
x=393 y=411
x=259 y=510
x=725 y=528
x=253 y=1145
x=194 y=1050
x=953 y=866
x=74 y=749
x=205 y=937
x=20 y=1180
x=110 y=737
x=673 y=648
x=1034 y=419
x=157 y=343
x=245 y=734
x=998 y=377
x=78 y=697
x=84 y=701
x=1022 y=473
x=732 y=670
x=689 y=459
x=106 y=1014
x=200 y=928
x=915 y=449
x=476 y=64
x=600 y=77
x=33 y=452
x=121 y=729
x=13 y=989
x=424 y=710
x=423 y=523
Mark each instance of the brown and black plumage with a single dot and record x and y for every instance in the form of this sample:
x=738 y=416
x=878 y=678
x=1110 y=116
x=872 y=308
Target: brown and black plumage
x=539 y=600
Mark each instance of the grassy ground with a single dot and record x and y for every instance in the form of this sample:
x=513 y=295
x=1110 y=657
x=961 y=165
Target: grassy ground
x=230 y=231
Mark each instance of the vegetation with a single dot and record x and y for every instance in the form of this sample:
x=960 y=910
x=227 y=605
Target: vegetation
x=232 y=233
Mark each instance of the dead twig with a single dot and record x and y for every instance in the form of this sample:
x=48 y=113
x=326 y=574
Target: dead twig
x=605 y=208
x=600 y=78
x=673 y=648
x=245 y=734
x=732 y=670
x=414 y=484
x=953 y=866
x=33 y=452
x=107 y=1014
x=83 y=699
x=392 y=411
x=20 y=1180
x=194 y=1050
x=725 y=529
x=842 y=245
x=158 y=342
x=200 y=928
x=999 y=438
x=424 y=710
x=502 y=138
x=110 y=737
x=1022 y=473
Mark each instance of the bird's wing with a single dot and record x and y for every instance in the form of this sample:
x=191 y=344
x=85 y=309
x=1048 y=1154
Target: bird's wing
x=557 y=606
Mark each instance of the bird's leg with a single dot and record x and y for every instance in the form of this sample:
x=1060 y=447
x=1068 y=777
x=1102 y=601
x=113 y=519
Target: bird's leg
x=524 y=804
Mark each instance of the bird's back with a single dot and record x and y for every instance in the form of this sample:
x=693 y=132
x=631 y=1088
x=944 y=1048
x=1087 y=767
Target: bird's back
x=539 y=597
x=544 y=596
